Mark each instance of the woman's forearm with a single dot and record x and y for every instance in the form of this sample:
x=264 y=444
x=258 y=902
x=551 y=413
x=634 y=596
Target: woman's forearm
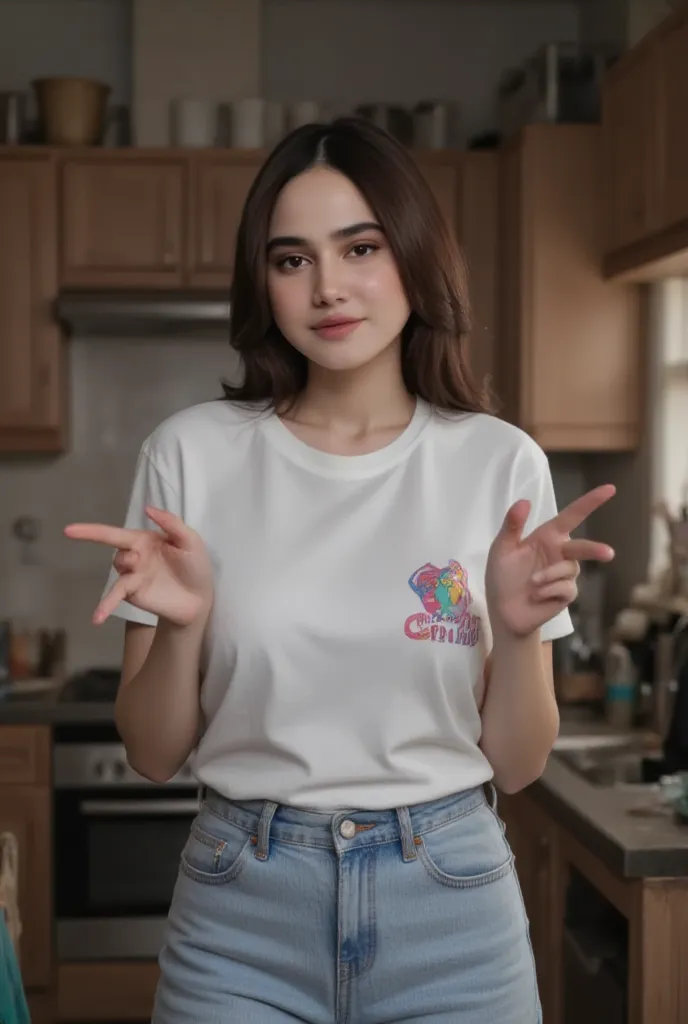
x=520 y=718
x=158 y=711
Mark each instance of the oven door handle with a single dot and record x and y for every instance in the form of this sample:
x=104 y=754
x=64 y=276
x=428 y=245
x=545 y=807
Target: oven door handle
x=138 y=808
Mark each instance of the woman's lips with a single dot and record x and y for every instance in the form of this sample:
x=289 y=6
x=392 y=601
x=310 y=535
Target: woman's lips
x=338 y=329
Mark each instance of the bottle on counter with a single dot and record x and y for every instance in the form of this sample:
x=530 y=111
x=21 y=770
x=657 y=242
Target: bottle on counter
x=620 y=686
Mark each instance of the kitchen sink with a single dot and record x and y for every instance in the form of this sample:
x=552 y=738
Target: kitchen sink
x=630 y=765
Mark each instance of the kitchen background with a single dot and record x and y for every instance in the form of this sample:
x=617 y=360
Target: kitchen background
x=601 y=849
x=152 y=51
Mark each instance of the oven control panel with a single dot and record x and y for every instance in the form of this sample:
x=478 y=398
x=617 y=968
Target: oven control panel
x=99 y=765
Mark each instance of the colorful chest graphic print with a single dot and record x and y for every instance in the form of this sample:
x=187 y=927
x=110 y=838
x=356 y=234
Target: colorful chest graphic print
x=447 y=617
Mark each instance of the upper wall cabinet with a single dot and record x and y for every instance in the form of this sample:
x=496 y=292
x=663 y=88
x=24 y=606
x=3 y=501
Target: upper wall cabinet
x=123 y=220
x=442 y=171
x=156 y=219
x=219 y=186
x=479 y=234
x=32 y=379
x=568 y=355
x=645 y=99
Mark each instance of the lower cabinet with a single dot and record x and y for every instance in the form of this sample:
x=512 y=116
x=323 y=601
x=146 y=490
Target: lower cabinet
x=25 y=811
x=608 y=949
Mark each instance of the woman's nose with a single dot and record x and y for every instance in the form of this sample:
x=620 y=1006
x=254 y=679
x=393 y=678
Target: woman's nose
x=329 y=284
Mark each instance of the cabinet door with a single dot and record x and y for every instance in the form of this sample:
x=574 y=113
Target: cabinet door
x=479 y=234
x=442 y=171
x=568 y=349
x=581 y=346
x=25 y=811
x=32 y=410
x=510 y=278
x=534 y=840
x=629 y=122
x=122 y=221
x=671 y=110
x=219 y=186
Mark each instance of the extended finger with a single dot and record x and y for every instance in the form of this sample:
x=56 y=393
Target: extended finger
x=580 y=550
x=175 y=528
x=567 y=570
x=578 y=511
x=119 y=591
x=114 y=536
x=565 y=591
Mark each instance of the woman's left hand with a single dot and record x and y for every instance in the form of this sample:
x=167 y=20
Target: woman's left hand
x=529 y=581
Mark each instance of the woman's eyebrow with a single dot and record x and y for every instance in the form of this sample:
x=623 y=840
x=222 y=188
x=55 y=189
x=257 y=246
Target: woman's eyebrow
x=286 y=241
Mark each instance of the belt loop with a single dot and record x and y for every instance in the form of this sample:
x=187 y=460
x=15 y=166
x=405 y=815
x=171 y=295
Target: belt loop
x=493 y=804
x=408 y=847
x=263 y=836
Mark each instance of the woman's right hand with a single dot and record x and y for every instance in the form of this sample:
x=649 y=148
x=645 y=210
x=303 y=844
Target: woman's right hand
x=166 y=573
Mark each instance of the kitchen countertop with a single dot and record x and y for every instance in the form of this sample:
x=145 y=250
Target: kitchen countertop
x=49 y=710
x=631 y=846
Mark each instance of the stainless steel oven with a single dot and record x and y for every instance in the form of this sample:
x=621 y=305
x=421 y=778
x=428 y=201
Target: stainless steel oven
x=118 y=839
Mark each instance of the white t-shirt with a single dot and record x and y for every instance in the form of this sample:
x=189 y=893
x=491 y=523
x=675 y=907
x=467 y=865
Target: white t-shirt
x=344 y=659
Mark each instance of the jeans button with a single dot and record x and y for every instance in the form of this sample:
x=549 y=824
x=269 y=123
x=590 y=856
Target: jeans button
x=347 y=829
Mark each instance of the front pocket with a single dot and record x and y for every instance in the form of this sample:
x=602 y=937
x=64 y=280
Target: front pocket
x=214 y=857
x=470 y=850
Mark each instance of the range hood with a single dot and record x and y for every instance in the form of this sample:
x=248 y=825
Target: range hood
x=120 y=314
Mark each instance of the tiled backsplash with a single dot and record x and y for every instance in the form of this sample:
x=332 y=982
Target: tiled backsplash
x=120 y=390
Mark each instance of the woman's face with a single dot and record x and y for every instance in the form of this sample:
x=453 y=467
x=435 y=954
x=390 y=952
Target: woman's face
x=334 y=286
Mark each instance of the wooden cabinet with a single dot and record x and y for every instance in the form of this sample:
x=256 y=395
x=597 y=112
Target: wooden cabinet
x=630 y=147
x=25 y=810
x=568 y=355
x=646 y=147
x=122 y=220
x=534 y=840
x=139 y=220
x=442 y=171
x=672 y=74
x=548 y=857
x=32 y=406
x=219 y=187
x=480 y=239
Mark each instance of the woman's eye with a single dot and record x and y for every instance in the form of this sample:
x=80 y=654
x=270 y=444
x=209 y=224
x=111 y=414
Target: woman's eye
x=363 y=248
x=290 y=263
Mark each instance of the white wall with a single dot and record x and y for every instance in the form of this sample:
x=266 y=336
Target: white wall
x=90 y=38
x=120 y=390
x=346 y=50
x=354 y=50
x=621 y=22
x=206 y=49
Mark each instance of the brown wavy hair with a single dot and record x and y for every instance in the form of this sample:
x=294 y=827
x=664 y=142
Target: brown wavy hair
x=433 y=352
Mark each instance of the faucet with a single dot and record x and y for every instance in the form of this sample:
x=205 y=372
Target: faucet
x=671 y=696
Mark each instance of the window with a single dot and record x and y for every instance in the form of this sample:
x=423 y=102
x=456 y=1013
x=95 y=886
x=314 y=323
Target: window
x=670 y=386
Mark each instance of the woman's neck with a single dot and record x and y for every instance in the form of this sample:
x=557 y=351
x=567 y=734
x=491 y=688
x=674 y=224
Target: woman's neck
x=357 y=402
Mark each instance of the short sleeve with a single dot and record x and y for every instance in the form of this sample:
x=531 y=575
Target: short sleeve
x=149 y=488
x=539 y=490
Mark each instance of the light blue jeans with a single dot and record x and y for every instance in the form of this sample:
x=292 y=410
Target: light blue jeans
x=356 y=917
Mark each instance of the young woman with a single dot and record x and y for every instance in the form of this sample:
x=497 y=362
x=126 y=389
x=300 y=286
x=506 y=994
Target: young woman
x=341 y=583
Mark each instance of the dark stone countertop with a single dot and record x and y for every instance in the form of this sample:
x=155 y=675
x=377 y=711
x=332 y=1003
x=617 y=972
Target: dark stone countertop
x=631 y=845
x=49 y=710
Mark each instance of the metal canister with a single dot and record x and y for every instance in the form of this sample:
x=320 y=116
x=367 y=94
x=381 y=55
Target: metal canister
x=12 y=117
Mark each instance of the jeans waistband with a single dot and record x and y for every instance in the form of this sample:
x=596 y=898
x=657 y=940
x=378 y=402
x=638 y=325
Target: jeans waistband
x=344 y=829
